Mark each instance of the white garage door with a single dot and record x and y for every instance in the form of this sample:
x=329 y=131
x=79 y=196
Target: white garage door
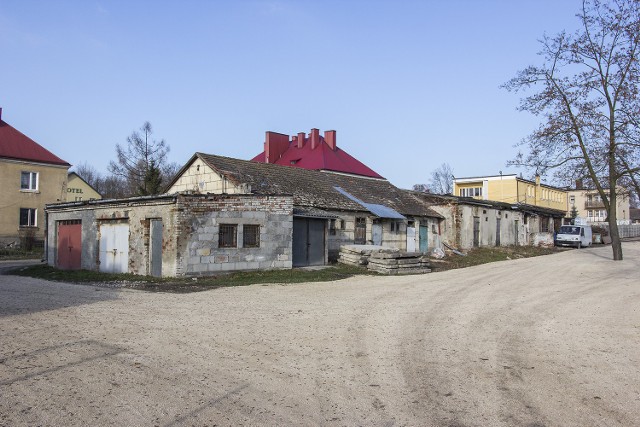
x=114 y=248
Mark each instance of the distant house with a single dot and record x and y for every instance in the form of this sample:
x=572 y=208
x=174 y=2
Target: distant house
x=589 y=205
x=78 y=189
x=313 y=152
x=634 y=215
x=31 y=177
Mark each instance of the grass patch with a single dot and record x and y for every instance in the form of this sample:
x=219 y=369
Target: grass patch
x=17 y=253
x=190 y=284
x=479 y=256
x=297 y=275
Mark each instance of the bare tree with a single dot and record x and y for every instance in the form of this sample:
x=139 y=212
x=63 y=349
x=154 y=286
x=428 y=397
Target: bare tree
x=442 y=180
x=134 y=160
x=89 y=174
x=586 y=93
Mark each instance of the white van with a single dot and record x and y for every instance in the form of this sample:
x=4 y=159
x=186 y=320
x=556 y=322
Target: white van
x=574 y=235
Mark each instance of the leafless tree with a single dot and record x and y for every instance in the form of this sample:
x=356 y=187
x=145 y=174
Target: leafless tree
x=135 y=159
x=586 y=94
x=423 y=188
x=442 y=180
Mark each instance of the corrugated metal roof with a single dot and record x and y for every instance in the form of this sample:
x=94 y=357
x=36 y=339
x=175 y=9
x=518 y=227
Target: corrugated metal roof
x=17 y=146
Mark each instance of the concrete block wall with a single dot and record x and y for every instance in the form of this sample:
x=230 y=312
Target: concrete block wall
x=199 y=219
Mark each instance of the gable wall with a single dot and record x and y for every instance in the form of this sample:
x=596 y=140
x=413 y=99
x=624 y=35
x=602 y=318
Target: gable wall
x=200 y=178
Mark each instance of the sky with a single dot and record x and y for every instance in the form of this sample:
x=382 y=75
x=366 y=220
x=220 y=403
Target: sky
x=407 y=85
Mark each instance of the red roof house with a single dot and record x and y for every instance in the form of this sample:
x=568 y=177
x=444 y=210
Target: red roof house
x=31 y=178
x=312 y=152
x=17 y=146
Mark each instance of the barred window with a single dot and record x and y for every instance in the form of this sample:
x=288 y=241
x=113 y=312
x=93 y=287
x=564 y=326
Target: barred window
x=250 y=236
x=227 y=236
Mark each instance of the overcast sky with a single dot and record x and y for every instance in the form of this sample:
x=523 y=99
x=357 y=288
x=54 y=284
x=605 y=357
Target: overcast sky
x=407 y=85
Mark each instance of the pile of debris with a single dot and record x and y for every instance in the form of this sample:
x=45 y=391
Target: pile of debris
x=384 y=260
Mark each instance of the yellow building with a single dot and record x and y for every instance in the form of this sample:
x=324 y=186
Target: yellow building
x=511 y=189
x=30 y=177
x=78 y=189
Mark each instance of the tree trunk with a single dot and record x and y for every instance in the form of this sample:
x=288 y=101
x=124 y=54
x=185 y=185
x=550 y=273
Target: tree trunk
x=616 y=244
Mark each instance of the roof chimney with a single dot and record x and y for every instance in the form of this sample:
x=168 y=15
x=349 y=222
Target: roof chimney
x=300 y=139
x=330 y=139
x=275 y=144
x=315 y=138
x=579 y=184
x=0 y=113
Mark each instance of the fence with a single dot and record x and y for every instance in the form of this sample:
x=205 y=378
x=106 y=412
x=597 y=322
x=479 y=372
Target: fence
x=626 y=230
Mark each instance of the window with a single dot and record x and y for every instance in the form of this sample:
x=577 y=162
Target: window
x=342 y=224
x=572 y=200
x=471 y=192
x=29 y=181
x=227 y=237
x=332 y=227
x=395 y=227
x=360 y=231
x=250 y=236
x=28 y=217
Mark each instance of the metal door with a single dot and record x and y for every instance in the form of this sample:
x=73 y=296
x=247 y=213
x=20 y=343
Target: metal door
x=497 y=231
x=376 y=233
x=308 y=241
x=155 y=247
x=476 y=231
x=424 y=239
x=411 y=239
x=516 y=226
x=69 y=244
x=114 y=248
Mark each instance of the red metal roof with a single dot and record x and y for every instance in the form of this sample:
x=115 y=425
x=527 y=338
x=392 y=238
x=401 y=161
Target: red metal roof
x=17 y=146
x=322 y=157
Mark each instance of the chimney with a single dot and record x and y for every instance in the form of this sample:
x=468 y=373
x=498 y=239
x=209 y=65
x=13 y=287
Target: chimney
x=275 y=144
x=330 y=139
x=300 y=139
x=579 y=184
x=537 y=179
x=0 y=113
x=315 y=138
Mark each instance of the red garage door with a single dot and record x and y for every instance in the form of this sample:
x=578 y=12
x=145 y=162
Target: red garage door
x=69 y=244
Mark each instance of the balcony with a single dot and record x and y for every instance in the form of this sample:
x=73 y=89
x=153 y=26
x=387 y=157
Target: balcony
x=594 y=204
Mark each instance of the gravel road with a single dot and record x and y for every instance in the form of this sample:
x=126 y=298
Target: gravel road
x=547 y=341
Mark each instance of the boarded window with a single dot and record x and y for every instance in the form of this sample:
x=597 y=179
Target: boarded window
x=250 y=236
x=228 y=236
x=28 y=217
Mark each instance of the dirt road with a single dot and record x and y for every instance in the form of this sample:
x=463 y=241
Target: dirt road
x=547 y=341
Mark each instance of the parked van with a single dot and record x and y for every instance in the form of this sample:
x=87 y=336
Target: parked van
x=574 y=235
